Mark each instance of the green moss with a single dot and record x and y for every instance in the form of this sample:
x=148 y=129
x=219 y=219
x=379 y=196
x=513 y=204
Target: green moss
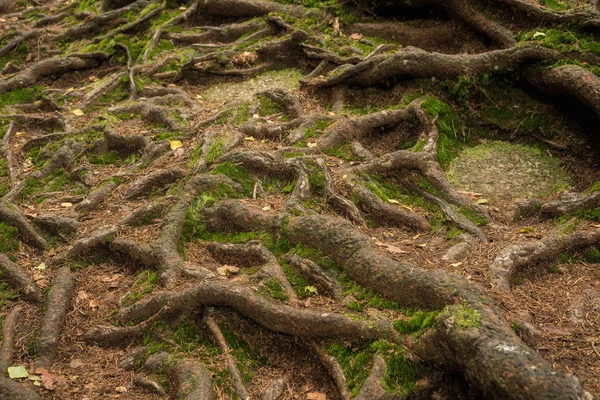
x=592 y=255
x=472 y=215
x=316 y=178
x=401 y=373
x=6 y=294
x=274 y=289
x=558 y=5
x=364 y=297
x=239 y=174
x=566 y=224
x=58 y=180
x=144 y=283
x=241 y=115
x=21 y=96
x=299 y=283
x=268 y=106
x=563 y=40
x=109 y=158
x=215 y=151
x=88 y=5
x=449 y=145
x=8 y=239
x=342 y=152
x=247 y=359
x=595 y=187
x=418 y=322
x=462 y=316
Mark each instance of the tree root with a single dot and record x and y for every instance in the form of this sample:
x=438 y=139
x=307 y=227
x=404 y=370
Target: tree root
x=57 y=305
x=515 y=257
x=86 y=245
x=192 y=381
x=251 y=8
x=15 y=391
x=334 y=369
x=157 y=180
x=568 y=203
x=7 y=153
x=274 y=316
x=96 y=197
x=238 y=382
x=277 y=388
x=372 y=389
x=12 y=216
x=19 y=278
x=9 y=332
x=149 y=384
x=51 y=66
x=56 y=224
x=144 y=212
x=411 y=62
x=139 y=252
x=315 y=273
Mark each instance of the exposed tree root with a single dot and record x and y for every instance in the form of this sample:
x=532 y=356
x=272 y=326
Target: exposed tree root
x=276 y=317
x=15 y=391
x=568 y=203
x=96 y=197
x=12 y=216
x=240 y=388
x=192 y=381
x=63 y=226
x=334 y=369
x=517 y=256
x=16 y=276
x=9 y=333
x=51 y=66
x=86 y=245
x=143 y=213
x=315 y=273
x=57 y=305
x=149 y=384
x=156 y=180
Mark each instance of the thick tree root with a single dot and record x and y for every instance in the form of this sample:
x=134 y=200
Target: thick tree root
x=86 y=245
x=315 y=273
x=276 y=317
x=57 y=305
x=51 y=66
x=334 y=369
x=486 y=351
x=19 y=278
x=96 y=197
x=517 y=256
x=9 y=333
x=372 y=389
x=192 y=381
x=12 y=390
x=568 y=203
x=62 y=226
x=149 y=384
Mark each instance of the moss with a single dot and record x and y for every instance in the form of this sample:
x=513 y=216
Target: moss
x=299 y=283
x=144 y=283
x=247 y=359
x=109 y=158
x=342 y=152
x=294 y=154
x=58 y=180
x=9 y=244
x=242 y=115
x=563 y=40
x=215 y=151
x=449 y=145
x=239 y=174
x=401 y=373
x=274 y=289
x=417 y=323
x=268 y=106
x=88 y=5
x=316 y=178
x=595 y=187
x=592 y=255
x=566 y=224
x=21 y=96
x=313 y=131
x=472 y=215
x=462 y=315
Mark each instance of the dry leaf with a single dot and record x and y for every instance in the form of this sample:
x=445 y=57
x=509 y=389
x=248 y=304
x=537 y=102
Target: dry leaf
x=77 y=112
x=175 y=144
x=355 y=36
x=266 y=208
x=456 y=264
x=227 y=270
x=311 y=144
x=41 y=267
x=121 y=389
x=76 y=363
x=48 y=380
x=249 y=139
x=20 y=133
x=393 y=201
x=483 y=201
x=82 y=295
x=316 y=396
x=66 y=205
x=94 y=303
x=391 y=248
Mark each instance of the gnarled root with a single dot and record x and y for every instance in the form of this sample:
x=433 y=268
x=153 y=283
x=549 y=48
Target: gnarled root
x=16 y=276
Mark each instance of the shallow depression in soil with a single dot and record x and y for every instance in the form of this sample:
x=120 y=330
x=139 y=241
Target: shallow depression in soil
x=499 y=169
x=283 y=79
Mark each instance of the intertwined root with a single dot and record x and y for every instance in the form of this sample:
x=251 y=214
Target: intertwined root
x=171 y=194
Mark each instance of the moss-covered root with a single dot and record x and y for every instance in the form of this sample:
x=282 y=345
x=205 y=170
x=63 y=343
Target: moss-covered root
x=57 y=305
x=372 y=389
x=568 y=203
x=517 y=256
x=9 y=332
x=334 y=369
x=274 y=316
x=20 y=279
x=11 y=215
x=192 y=381
x=470 y=336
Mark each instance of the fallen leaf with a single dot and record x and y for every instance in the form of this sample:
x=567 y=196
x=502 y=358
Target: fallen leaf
x=94 y=303
x=20 y=133
x=77 y=112
x=393 y=201
x=82 y=295
x=76 y=363
x=539 y=35
x=266 y=208
x=391 y=248
x=249 y=139
x=456 y=264
x=175 y=144
x=17 y=372
x=311 y=289
x=48 y=380
x=41 y=267
x=311 y=144
x=121 y=389
x=355 y=36
x=556 y=331
x=227 y=270
x=316 y=396
x=483 y=201
x=66 y=205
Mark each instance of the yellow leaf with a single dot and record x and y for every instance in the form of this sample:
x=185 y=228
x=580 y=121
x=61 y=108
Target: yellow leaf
x=175 y=144
x=77 y=112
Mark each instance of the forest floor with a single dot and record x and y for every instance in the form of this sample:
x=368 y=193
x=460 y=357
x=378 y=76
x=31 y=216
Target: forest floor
x=172 y=149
